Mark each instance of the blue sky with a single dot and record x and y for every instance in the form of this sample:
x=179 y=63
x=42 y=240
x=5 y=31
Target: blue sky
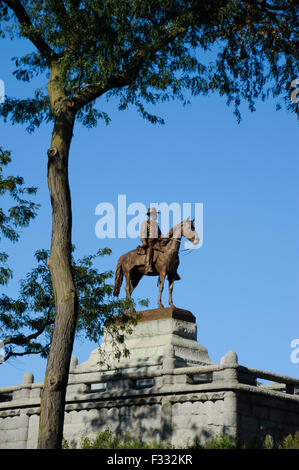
x=242 y=284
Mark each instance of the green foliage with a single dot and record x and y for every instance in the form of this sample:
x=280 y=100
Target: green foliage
x=222 y=441
x=26 y=324
x=20 y=214
x=268 y=442
x=145 y=52
x=291 y=442
x=16 y=216
x=107 y=440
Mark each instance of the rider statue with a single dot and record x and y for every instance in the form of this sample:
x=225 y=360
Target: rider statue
x=149 y=234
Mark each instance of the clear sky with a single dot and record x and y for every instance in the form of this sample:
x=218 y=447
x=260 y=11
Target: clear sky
x=242 y=284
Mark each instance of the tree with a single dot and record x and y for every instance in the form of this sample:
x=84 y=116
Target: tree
x=26 y=324
x=140 y=52
x=16 y=216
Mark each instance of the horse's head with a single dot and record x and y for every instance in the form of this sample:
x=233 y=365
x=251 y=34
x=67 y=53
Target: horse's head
x=188 y=231
x=184 y=229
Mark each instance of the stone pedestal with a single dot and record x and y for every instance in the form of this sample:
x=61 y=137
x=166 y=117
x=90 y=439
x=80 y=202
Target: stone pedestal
x=163 y=337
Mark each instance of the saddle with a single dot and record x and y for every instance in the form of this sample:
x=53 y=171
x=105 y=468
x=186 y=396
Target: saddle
x=157 y=247
x=141 y=250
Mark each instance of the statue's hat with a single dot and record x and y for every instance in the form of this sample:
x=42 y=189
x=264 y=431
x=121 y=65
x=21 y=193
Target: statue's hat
x=152 y=210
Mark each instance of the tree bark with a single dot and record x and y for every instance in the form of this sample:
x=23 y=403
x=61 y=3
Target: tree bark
x=59 y=263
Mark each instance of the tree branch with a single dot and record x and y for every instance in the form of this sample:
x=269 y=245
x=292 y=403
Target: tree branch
x=33 y=36
x=20 y=340
x=93 y=91
x=24 y=353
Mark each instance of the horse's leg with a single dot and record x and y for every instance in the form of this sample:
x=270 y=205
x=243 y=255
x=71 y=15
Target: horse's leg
x=129 y=290
x=171 y=282
x=127 y=286
x=162 y=278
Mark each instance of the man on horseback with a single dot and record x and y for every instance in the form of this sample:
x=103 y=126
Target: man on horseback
x=132 y=266
x=149 y=234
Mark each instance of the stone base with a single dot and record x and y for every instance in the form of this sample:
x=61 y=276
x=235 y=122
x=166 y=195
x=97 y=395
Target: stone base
x=159 y=334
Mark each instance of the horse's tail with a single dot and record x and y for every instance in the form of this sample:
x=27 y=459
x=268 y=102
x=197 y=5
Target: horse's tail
x=118 y=279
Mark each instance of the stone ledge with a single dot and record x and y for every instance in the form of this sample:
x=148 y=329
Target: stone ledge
x=170 y=312
x=9 y=413
x=219 y=386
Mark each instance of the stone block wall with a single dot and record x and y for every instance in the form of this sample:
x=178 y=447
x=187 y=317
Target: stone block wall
x=137 y=417
x=200 y=417
x=13 y=430
x=174 y=418
x=172 y=405
x=271 y=414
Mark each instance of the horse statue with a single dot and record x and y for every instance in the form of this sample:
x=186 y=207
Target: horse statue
x=165 y=261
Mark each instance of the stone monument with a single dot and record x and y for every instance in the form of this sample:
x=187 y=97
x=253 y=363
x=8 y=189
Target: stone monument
x=162 y=334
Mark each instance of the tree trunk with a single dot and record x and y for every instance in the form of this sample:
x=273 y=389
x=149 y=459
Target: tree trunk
x=59 y=263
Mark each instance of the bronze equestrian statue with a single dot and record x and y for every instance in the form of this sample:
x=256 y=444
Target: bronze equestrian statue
x=165 y=261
